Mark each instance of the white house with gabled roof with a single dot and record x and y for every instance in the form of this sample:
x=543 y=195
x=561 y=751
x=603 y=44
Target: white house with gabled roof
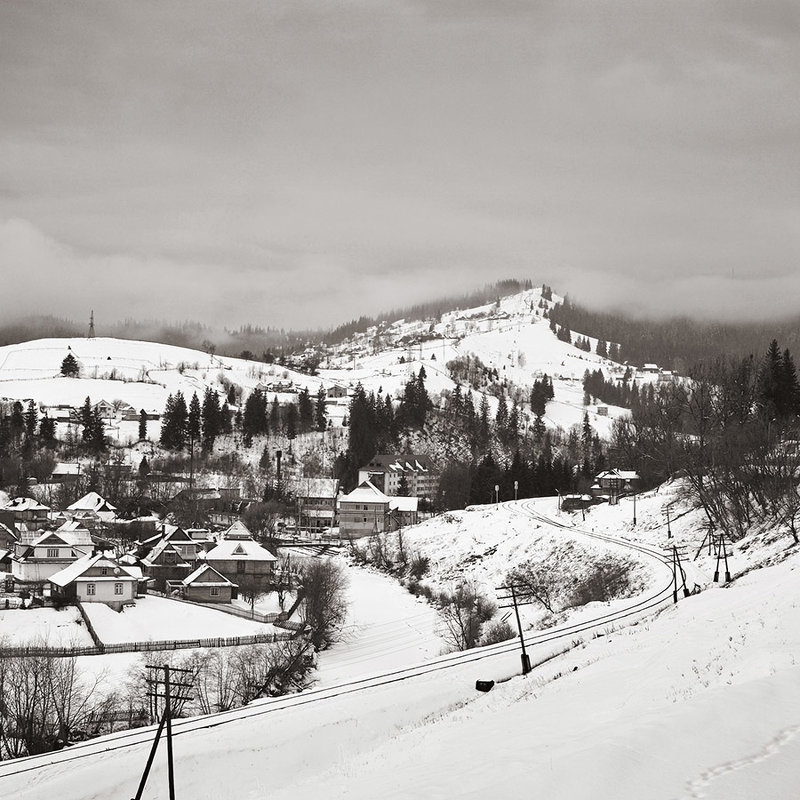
x=38 y=556
x=97 y=578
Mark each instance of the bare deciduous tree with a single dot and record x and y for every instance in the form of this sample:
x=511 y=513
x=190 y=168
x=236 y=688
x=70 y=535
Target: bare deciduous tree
x=324 y=607
x=463 y=613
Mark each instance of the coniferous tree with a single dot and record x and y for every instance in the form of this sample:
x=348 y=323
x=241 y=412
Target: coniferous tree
x=211 y=417
x=291 y=420
x=47 y=430
x=69 y=366
x=142 y=425
x=173 y=422
x=193 y=421
x=275 y=415
x=31 y=419
x=501 y=417
x=320 y=416
x=305 y=410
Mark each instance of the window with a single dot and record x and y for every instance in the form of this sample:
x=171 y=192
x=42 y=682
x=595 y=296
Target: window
x=241 y=566
x=170 y=557
x=214 y=591
x=52 y=552
x=117 y=588
x=104 y=570
x=90 y=589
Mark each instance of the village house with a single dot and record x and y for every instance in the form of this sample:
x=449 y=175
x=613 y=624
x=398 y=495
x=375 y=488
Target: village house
x=27 y=510
x=92 y=506
x=97 y=578
x=616 y=482
x=367 y=510
x=240 y=558
x=316 y=501
x=163 y=563
x=39 y=555
x=207 y=585
x=412 y=475
x=65 y=473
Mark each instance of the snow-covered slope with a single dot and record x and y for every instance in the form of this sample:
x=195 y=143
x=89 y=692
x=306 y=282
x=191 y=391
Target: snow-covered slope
x=510 y=337
x=699 y=701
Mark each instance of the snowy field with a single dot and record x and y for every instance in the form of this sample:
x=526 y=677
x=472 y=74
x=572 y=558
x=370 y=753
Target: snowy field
x=43 y=626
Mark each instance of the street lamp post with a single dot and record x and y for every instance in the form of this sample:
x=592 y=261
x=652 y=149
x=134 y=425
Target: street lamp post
x=516 y=487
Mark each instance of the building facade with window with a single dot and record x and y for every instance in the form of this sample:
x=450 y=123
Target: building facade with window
x=241 y=559
x=97 y=578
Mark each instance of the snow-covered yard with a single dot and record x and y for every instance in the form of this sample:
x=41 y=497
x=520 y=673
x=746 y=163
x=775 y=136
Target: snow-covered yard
x=43 y=626
x=157 y=618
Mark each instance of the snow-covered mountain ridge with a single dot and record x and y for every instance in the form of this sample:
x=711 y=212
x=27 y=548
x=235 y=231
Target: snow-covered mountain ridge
x=510 y=337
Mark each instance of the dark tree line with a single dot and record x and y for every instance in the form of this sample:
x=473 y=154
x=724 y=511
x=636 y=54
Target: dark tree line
x=673 y=343
x=733 y=429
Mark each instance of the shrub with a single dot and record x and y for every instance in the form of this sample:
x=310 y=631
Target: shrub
x=419 y=566
x=497 y=631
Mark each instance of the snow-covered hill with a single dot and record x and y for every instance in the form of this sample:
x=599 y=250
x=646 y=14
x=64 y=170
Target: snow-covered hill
x=511 y=337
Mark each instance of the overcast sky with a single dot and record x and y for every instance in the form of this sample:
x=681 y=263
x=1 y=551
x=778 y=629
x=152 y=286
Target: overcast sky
x=300 y=163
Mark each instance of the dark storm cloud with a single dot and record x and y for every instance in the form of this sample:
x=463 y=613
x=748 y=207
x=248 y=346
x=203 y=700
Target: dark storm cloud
x=290 y=162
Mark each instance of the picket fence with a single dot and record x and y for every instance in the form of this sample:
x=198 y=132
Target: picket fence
x=144 y=647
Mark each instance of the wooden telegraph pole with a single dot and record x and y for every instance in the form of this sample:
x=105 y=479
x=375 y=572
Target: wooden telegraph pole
x=515 y=603
x=181 y=694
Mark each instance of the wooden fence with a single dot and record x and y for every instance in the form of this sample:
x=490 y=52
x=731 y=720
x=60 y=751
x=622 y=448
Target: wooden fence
x=145 y=647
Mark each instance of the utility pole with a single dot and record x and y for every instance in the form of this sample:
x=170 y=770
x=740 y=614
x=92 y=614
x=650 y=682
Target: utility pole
x=669 y=530
x=677 y=552
x=634 y=509
x=722 y=552
x=497 y=493
x=182 y=687
x=516 y=487
x=515 y=603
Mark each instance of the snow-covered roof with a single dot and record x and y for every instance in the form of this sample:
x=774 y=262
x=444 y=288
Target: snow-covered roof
x=622 y=474
x=221 y=580
x=92 y=502
x=160 y=547
x=77 y=568
x=70 y=537
x=237 y=531
x=395 y=463
x=24 y=504
x=66 y=468
x=365 y=492
x=404 y=503
x=236 y=548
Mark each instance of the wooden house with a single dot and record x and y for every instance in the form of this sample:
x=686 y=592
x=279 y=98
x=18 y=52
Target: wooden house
x=239 y=557
x=208 y=585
